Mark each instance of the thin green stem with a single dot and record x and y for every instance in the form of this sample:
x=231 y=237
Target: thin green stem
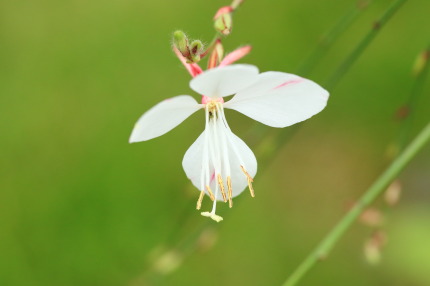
x=352 y=57
x=331 y=36
x=412 y=103
x=369 y=196
x=211 y=46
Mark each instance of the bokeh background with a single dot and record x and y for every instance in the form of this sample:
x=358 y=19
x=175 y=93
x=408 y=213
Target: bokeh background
x=81 y=206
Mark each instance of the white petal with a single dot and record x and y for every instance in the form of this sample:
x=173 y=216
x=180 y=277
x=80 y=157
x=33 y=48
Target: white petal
x=163 y=117
x=280 y=99
x=224 y=81
x=238 y=179
x=193 y=161
x=193 y=164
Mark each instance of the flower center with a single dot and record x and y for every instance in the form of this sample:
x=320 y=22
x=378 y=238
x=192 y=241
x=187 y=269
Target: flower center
x=207 y=99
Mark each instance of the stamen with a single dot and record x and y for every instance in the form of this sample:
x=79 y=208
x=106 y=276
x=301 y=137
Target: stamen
x=230 y=192
x=250 y=180
x=211 y=195
x=251 y=189
x=199 y=201
x=221 y=186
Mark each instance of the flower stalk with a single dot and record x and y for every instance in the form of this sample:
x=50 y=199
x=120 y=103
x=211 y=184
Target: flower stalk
x=377 y=188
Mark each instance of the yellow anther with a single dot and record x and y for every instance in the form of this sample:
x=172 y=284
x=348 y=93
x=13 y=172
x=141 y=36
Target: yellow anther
x=221 y=186
x=230 y=192
x=199 y=201
x=211 y=195
x=212 y=106
x=251 y=189
x=250 y=180
x=246 y=174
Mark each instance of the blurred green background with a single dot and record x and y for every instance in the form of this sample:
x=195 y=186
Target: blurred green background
x=81 y=206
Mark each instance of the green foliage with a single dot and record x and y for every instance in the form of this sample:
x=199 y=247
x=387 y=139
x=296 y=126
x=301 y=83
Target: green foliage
x=80 y=206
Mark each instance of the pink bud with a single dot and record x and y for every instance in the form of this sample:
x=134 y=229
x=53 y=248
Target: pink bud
x=392 y=194
x=223 y=10
x=371 y=217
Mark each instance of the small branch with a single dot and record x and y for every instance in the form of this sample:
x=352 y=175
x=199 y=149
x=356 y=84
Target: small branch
x=412 y=103
x=331 y=36
x=369 y=196
x=377 y=25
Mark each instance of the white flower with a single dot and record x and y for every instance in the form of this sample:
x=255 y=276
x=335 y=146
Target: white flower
x=219 y=163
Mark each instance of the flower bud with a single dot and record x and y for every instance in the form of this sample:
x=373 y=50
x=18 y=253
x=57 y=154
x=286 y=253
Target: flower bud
x=168 y=262
x=392 y=194
x=224 y=20
x=180 y=41
x=371 y=217
x=216 y=55
x=207 y=239
x=373 y=247
x=421 y=62
x=196 y=49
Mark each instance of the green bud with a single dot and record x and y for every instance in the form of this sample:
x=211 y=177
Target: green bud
x=196 y=47
x=180 y=41
x=421 y=62
x=223 y=24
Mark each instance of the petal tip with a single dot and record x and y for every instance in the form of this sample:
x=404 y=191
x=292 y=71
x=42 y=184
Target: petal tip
x=325 y=94
x=132 y=140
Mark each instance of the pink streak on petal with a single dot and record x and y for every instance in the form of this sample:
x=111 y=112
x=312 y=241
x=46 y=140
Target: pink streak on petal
x=223 y=10
x=194 y=69
x=235 y=55
x=289 y=82
x=212 y=177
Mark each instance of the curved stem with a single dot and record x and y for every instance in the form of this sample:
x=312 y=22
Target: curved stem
x=377 y=25
x=331 y=36
x=369 y=196
x=211 y=46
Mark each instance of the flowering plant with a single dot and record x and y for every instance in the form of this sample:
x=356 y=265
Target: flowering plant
x=218 y=163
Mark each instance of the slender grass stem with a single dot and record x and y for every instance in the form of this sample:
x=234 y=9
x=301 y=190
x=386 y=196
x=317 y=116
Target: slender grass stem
x=369 y=196
x=331 y=36
x=359 y=49
x=413 y=100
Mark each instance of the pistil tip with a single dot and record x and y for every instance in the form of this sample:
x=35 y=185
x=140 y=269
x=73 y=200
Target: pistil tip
x=213 y=216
